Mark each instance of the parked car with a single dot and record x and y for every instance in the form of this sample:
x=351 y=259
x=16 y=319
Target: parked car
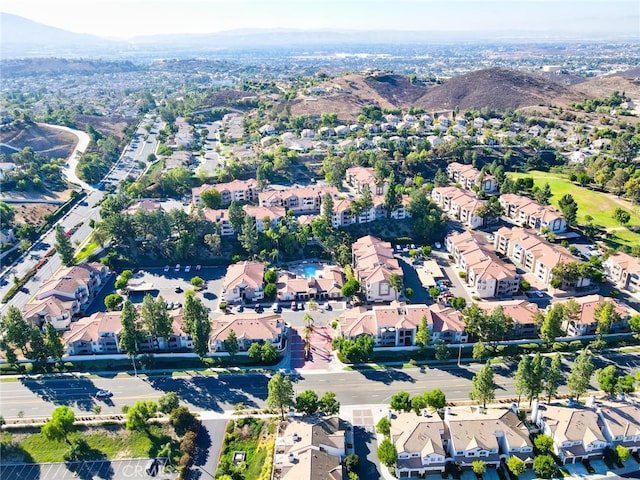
x=198 y=267
x=294 y=306
x=275 y=307
x=259 y=308
x=103 y=394
x=238 y=308
x=178 y=267
x=178 y=289
x=166 y=268
x=187 y=269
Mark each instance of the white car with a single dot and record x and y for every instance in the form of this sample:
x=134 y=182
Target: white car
x=187 y=268
x=166 y=268
x=177 y=269
x=198 y=267
x=438 y=245
x=103 y=394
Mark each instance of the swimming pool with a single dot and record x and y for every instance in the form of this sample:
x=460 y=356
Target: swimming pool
x=309 y=271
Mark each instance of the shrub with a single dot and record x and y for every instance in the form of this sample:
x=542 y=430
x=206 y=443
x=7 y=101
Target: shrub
x=560 y=346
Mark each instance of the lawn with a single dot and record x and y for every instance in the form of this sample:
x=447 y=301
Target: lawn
x=105 y=442
x=253 y=436
x=597 y=204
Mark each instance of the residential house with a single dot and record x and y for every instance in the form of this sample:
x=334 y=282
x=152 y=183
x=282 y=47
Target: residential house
x=326 y=283
x=249 y=328
x=535 y=255
x=574 y=429
x=147 y=205
x=529 y=213
x=221 y=218
x=492 y=436
x=470 y=177
x=523 y=313
x=585 y=323
x=311 y=449
x=419 y=442
x=620 y=423
x=459 y=204
x=484 y=271
x=624 y=270
x=243 y=281
x=373 y=266
x=359 y=176
x=234 y=191
x=300 y=200
x=396 y=325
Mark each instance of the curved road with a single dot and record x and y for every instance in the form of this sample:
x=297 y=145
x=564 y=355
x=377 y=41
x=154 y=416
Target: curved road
x=72 y=161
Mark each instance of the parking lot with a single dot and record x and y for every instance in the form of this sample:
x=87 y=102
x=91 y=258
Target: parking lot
x=103 y=469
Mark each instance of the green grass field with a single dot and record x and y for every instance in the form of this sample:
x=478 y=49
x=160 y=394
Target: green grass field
x=111 y=442
x=596 y=204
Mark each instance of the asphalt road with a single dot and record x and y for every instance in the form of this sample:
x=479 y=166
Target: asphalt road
x=77 y=218
x=37 y=398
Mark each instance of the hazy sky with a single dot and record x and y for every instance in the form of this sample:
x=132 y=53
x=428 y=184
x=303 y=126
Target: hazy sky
x=127 y=18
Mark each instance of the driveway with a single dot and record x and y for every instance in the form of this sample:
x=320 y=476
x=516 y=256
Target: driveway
x=577 y=469
x=210 y=439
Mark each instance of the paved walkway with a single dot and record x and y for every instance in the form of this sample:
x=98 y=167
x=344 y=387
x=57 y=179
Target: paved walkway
x=72 y=161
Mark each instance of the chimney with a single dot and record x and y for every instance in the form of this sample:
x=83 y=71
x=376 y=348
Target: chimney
x=514 y=408
x=534 y=411
x=591 y=402
x=447 y=414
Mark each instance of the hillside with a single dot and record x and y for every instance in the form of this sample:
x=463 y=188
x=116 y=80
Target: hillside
x=348 y=94
x=494 y=88
x=601 y=87
x=47 y=141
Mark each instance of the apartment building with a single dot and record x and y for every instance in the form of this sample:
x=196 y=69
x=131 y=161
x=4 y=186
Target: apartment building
x=523 y=313
x=470 y=177
x=459 y=204
x=484 y=271
x=623 y=270
x=529 y=213
x=585 y=323
x=357 y=177
x=248 y=328
x=234 y=191
x=419 y=442
x=396 y=325
x=373 y=265
x=243 y=281
x=534 y=255
x=300 y=200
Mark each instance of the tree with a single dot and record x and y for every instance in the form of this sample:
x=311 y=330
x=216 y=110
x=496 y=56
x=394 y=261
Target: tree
x=231 y=344
x=130 y=334
x=113 y=301
x=53 y=342
x=387 y=453
x=611 y=382
x=60 y=425
x=484 y=387
x=248 y=235
x=156 y=317
x=197 y=282
x=480 y=351
x=553 y=377
x=255 y=351
x=489 y=328
x=63 y=246
x=544 y=465
x=440 y=179
x=621 y=216
x=280 y=393
x=419 y=403
x=328 y=404
x=516 y=466
x=168 y=402
x=197 y=324
x=37 y=349
x=479 y=467
x=307 y=402
x=395 y=282
x=352 y=462
x=401 y=402
x=182 y=420
x=270 y=291
x=551 y=327
x=459 y=303
x=138 y=416
x=236 y=216
x=268 y=353
x=436 y=399
x=634 y=325
x=580 y=375
x=423 y=334
x=544 y=444
x=392 y=197
x=569 y=208
x=543 y=195
x=623 y=453
x=211 y=198
x=434 y=292
x=442 y=351
x=383 y=426
x=536 y=380
x=521 y=383
x=350 y=288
